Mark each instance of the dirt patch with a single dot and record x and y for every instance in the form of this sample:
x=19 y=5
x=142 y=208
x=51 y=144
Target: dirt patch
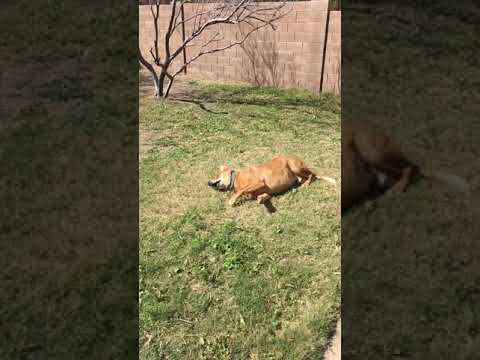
x=145 y=85
x=181 y=88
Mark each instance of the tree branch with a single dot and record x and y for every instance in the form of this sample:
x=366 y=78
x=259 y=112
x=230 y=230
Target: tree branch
x=230 y=19
x=206 y=16
x=156 y=56
x=169 y=32
x=235 y=43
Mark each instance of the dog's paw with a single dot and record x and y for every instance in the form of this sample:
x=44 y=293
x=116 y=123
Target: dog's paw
x=231 y=202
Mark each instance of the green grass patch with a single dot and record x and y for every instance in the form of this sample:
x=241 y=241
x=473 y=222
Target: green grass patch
x=218 y=282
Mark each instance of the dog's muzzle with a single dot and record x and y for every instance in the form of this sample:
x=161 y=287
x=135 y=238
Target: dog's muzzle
x=213 y=184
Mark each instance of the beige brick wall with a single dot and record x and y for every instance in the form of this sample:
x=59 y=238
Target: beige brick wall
x=295 y=49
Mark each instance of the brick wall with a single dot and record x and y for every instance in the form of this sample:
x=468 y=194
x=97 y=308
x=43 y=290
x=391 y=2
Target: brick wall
x=294 y=50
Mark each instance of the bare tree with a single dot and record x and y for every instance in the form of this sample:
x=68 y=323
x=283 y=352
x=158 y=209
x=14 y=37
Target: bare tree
x=204 y=26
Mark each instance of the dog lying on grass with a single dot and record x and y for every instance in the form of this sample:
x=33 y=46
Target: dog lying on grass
x=261 y=182
x=372 y=164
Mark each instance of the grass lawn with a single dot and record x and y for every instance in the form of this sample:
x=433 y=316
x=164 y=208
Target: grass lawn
x=218 y=282
x=68 y=213
x=409 y=289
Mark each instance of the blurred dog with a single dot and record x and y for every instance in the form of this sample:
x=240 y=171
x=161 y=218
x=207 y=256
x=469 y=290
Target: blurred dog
x=373 y=163
x=261 y=182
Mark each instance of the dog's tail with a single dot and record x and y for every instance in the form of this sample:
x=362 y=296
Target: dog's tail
x=327 y=179
x=455 y=182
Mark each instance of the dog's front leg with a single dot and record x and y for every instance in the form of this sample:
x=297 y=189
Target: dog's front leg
x=235 y=197
x=252 y=188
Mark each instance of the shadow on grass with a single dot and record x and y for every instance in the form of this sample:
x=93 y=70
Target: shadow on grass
x=264 y=96
x=201 y=105
x=202 y=93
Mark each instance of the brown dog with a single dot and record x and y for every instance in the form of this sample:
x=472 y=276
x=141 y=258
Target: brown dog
x=372 y=163
x=261 y=182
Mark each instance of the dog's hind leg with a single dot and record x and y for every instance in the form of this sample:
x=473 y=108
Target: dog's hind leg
x=303 y=173
x=263 y=198
x=403 y=182
x=308 y=176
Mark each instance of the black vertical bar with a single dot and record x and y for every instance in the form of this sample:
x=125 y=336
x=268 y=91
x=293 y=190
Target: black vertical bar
x=325 y=47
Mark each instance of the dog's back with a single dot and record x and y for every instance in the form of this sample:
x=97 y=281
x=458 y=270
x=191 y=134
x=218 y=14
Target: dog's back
x=277 y=173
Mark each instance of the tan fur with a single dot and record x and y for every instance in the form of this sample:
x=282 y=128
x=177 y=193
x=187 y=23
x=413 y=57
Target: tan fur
x=370 y=156
x=261 y=182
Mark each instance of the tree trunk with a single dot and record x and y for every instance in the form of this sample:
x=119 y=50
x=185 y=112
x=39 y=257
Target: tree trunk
x=164 y=89
x=169 y=87
x=151 y=69
x=157 y=86
x=161 y=83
